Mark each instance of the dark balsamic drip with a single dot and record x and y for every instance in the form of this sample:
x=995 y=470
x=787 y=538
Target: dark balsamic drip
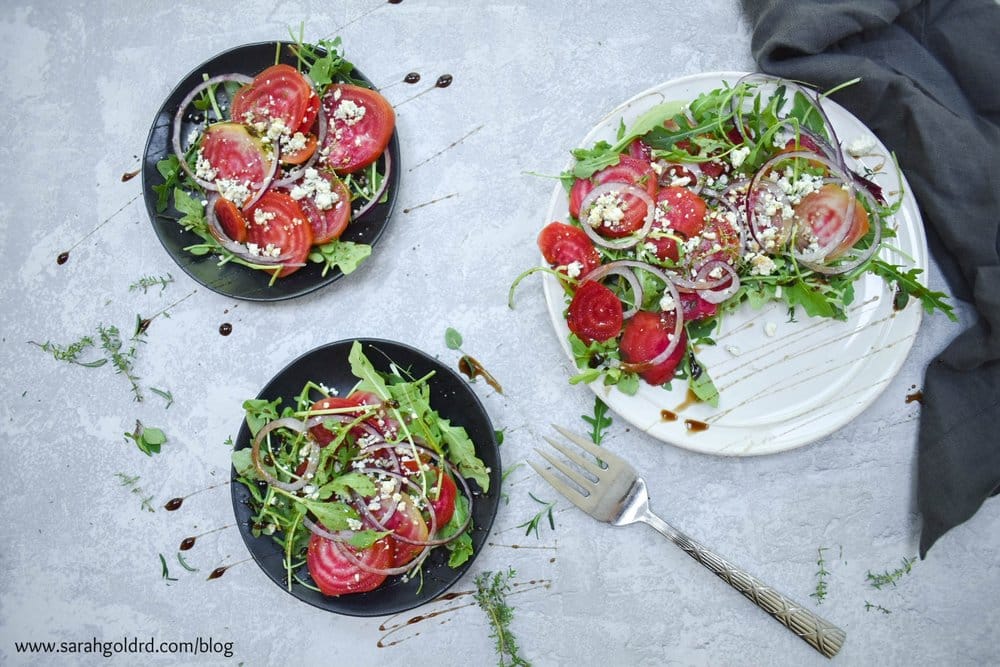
x=173 y=504
x=452 y=596
x=428 y=203
x=473 y=369
x=187 y=543
x=412 y=77
x=395 y=2
x=225 y=328
x=915 y=397
x=129 y=175
x=668 y=415
x=218 y=572
x=690 y=399
x=62 y=258
x=143 y=325
x=695 y=426
x=444 y=81
x=695 y=367
x=552 y=560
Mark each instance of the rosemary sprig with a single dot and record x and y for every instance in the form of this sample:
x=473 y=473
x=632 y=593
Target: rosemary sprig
x=165 y=572
x=890 y=577
x=546 y=511
x=491 y=595
x=123 y=359
x=165 y=394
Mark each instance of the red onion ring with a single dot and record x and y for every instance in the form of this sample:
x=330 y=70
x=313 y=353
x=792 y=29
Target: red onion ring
x=336 y=536
x=617 y=268
x=312 y=461
x=357 y=562
x=238 y=249
x=179 y=116
x=381 y=191
x=711 y=294
x=625 y=188
x=266 y=183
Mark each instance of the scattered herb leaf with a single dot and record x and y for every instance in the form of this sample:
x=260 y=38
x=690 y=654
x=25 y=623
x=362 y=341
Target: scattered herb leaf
x=531 y=525
x=491 y=596
x=148 y=440
x=600 y=422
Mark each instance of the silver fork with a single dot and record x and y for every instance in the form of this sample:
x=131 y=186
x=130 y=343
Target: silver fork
x=618 y=496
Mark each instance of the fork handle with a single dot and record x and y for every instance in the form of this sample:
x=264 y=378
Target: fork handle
x=814 y=629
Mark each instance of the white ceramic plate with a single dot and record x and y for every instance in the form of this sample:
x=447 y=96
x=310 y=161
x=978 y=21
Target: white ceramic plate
x=779 y=391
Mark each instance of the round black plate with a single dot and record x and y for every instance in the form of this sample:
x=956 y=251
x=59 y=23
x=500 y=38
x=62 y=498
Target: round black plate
x=231 y=279
x=452 y=397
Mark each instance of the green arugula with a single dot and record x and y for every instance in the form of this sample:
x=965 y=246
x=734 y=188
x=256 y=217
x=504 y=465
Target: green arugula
x=600 y=422
x=344 y=255
x=148 y=440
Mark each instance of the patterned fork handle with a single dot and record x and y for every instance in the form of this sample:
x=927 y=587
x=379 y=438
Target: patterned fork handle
x=817 y=631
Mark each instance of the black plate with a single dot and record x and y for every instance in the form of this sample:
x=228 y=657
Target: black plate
x=231 y=279
x=452 y=397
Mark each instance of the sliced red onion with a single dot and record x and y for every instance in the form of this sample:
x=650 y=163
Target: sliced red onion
x=179 y=119
x=727 y=290
x=624 y=188
x=311 y=462
x=381 y=191
x=346 y=552
x=239 y=249
x=266 y=183
x=295 y=174
x=336 y=536
x=695 y=183
x=619 y=269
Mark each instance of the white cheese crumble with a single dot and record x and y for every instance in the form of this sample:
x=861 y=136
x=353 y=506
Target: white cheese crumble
x=770 y=329
x=861 y=145
x=762 y=265
x=573 y=269
x=262 y=217
x=203 y=168
x=607 y=210
x=315 y=186
x=354 y=524
x=349 y=112
x=738 y=156
x=233 y=190
x=667 y=302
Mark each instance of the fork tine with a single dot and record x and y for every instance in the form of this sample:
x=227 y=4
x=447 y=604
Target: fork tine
x=582 y=481
x=576 y=457
x=586 y=445
x=586 y=503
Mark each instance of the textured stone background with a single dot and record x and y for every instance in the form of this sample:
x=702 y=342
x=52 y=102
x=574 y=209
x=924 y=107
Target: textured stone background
x=82 y=83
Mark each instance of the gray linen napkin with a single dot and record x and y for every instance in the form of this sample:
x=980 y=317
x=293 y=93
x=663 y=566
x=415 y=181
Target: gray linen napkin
x=930 y=90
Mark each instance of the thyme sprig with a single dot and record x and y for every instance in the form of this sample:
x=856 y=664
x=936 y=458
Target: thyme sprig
x=70 y=353
x=132 y=482
x=491 y=596
x=145 y=283
x=882 y=579
x=821 y=574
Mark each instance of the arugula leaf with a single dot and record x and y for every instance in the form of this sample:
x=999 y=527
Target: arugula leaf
x=700 y=381
x=148 y=440
x=243 y=461
x=193 y=218
x=259 y=412
x=342 y=485
x=344 y=255
x=908 y=284
x=600 y=422
x=333 y=515
x=452 y=339
x=462 y=452
x=362 y=369
x=170 y=170
x=365 y=538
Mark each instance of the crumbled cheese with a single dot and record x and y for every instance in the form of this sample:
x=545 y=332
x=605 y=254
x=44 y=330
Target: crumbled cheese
x=573 y=269
x=203 y=168
x=733 y=350
x=770 y=329
x=738 y=156
x=667 y=302
x=294 y=143
x=349 y=112
x=861 y=145
x=316 y=186
x=253 y=249
x=262 y=217
x=233 y=190
x=275 y=130
x=607 y=210
x=762 y=265
x=354 y=524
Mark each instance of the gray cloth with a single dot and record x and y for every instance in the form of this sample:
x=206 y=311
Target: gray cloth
x=930 y=90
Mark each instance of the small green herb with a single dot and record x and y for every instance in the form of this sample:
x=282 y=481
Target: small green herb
x=121 y=358
x=890 y=577
x=145 y=283
x=821 y=575
x=600 y=422
x=344 y=255
x=165 y=573
x=165 y=394
x=180 y=559
x=452 y=339
x=132 y=483
x=499 y=434
x=491 y=595
x=876 y=607
x=546 y=512
x=148 y=440
x=71 y=352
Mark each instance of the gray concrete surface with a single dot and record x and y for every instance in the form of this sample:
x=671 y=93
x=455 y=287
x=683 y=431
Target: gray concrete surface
x=79 y=555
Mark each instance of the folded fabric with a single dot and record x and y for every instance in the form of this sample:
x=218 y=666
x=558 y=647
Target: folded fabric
x=930 y=90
